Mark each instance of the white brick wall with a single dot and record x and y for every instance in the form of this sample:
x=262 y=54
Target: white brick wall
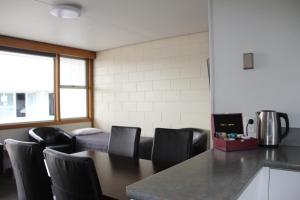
x=163 y=83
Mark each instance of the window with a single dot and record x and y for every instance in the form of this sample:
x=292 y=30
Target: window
x=43 y=88
x=26 y=80
x=73 y=88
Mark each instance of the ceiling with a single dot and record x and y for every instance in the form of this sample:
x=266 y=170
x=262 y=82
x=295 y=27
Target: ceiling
x=104 y=24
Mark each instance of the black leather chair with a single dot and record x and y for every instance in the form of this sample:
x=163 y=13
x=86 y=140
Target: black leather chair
x=1 y=158
x=171 y=146
x=73 y=178
x=53 y=138
x=199 y=140
x=33 y=182
x=124 y=141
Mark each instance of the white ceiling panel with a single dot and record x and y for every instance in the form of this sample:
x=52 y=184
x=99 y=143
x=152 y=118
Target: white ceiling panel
x=104 y=23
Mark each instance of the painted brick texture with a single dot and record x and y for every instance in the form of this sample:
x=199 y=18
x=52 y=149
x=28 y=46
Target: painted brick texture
x=162 y=83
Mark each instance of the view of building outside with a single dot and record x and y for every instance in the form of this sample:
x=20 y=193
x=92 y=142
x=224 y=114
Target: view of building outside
x=26 y=87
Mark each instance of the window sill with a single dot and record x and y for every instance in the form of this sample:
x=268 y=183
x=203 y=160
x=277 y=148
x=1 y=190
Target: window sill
x=43 y=123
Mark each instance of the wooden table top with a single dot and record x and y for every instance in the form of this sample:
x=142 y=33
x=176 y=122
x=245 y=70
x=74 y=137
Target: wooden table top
x=116 y=172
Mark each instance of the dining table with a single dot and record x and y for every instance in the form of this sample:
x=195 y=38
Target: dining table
x=116 y=172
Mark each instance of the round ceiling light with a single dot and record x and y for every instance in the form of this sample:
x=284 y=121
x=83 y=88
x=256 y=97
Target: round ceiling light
x=66 y=11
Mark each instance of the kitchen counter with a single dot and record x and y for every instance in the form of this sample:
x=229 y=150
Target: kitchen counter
x=213 y=175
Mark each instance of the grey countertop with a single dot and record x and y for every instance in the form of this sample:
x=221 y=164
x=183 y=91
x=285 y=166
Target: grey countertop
x=213 y=175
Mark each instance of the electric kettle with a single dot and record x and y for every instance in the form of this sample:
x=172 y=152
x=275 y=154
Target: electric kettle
x=269 y=129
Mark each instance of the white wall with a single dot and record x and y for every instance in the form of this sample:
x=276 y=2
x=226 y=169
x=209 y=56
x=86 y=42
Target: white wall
x=271 y=30
x=161 y=83
x=22 y=133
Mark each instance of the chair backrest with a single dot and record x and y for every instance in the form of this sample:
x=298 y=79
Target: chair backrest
x=50 y=135
x=46 y=133
x=199 y=140
x=33 y=182
x=1 y=158
x=171 y=146
x=124 y=141
x=72 y=177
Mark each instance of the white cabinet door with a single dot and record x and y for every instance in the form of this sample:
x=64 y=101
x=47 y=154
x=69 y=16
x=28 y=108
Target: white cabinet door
x=284 y=185
x=258 y=187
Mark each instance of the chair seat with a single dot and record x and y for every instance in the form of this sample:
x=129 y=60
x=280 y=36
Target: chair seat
x=65 y=148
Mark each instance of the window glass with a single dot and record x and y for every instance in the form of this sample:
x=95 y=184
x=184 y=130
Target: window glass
x=20 y=104
x=73 y=103
x=73 y=91
x=6 y=99
x=25 y=84
x=6 y=105
x=51 y=104
x=72 y=71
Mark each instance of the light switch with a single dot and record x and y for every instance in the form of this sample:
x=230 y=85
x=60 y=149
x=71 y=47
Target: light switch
x=248 y=61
